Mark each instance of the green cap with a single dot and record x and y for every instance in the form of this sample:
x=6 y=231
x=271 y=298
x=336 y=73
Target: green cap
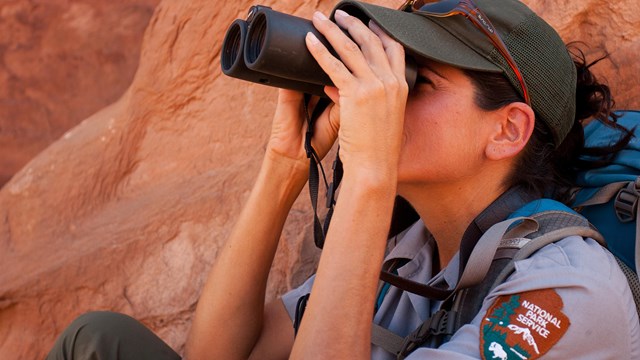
x=538 y=50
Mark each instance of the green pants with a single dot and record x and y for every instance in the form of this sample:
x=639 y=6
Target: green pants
x=106 y=336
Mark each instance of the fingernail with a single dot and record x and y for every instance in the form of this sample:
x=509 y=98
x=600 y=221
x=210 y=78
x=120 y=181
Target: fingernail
x=312 y=38
x=319 y=16
x=342 y=14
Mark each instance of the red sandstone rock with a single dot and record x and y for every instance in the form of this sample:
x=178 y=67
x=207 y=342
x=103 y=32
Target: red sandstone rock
x=127 y=210
x=61 y=61
x=609 y=27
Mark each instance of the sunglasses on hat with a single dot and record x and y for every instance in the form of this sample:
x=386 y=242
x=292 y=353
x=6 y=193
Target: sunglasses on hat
x=472 y=12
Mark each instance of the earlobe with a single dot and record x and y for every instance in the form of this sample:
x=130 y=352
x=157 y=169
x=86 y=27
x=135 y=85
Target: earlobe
x=513 y=131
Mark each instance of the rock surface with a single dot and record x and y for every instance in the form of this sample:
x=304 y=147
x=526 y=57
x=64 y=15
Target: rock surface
x=61 y=61
x=127 y=210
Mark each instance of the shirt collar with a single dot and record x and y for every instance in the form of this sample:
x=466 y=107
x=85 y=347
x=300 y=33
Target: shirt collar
x=408 y=243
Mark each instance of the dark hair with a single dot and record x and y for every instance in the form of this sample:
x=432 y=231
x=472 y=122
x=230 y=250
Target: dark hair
x=542 y=168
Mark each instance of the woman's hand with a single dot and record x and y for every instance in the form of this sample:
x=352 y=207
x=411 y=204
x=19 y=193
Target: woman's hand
x=290 y=126
x=370 y=91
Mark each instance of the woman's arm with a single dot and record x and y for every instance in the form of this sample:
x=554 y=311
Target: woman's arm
x=231 y=315
x=337 y=322
x=371 y=93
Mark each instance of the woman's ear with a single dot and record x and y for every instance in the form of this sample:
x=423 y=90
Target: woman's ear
x=514 y=126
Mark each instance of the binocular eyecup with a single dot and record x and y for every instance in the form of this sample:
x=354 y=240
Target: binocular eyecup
x=269 y=48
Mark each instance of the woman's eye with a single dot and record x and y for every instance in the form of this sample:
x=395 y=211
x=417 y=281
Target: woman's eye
x=421 y=79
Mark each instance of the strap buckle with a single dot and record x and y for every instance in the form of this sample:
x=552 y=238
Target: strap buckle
x=441 y=323
x=626 y=202
x=307 y=143
x=337 y=177
x=331 y=194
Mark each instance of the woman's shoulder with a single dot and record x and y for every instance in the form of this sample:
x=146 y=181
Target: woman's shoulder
x=574 y=254
x=580 y=281
x=570 y=264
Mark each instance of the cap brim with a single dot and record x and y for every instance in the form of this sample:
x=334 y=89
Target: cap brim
x=423 y=36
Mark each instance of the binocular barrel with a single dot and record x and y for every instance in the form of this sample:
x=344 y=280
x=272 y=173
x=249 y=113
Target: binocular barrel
x=233 y=64
x=269 y=48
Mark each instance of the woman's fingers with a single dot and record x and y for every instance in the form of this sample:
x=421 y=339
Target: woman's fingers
x=333 y=93
x=393 y=50
x=336 y=70
x=362 y=52
x=368 y=43
x=370 y=91
x=348 y=51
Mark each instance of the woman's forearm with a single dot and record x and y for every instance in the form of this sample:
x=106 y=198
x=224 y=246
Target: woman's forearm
x=229 y=315
x=337 y=322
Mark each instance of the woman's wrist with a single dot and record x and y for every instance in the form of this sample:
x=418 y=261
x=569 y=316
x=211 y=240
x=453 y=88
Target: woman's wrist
x=287 y=175
x=373 y=176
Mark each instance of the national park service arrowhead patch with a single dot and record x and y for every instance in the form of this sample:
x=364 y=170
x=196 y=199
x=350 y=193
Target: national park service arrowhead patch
x=522 y=326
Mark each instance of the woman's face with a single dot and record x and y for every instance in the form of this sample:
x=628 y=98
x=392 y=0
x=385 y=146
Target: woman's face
x=444 y=131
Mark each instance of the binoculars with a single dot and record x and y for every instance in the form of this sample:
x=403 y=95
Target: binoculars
x=269 y=48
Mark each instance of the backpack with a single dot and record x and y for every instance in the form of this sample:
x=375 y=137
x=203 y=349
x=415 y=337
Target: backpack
x=607 y=200
x=608 y=196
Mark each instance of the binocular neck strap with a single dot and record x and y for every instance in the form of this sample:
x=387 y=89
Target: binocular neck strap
x=320 y=231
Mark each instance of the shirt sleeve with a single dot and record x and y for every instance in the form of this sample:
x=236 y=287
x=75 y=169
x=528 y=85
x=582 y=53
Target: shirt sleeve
x=573 y=290
x=290 y=299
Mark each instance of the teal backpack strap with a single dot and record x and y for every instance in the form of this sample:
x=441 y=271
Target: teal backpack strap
x=554 y=225
x=627 y=203
x=556 y=235
x=613 y=209
x=604 y=194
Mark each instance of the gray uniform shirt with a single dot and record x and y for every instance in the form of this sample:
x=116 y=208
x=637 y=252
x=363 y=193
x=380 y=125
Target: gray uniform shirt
x=596 y=298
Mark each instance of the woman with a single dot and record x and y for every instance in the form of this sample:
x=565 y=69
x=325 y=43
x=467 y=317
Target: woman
x=479 y=123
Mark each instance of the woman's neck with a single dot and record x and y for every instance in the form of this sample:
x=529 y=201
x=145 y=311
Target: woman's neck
x=448 y=209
